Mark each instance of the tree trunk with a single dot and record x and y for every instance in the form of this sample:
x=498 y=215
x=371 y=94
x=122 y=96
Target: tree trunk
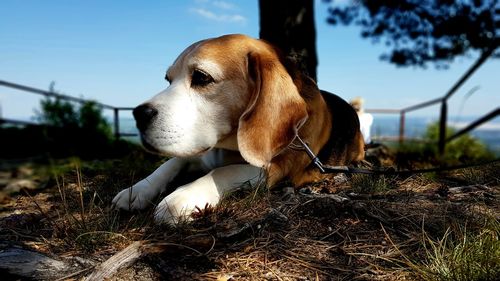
x=289 y=24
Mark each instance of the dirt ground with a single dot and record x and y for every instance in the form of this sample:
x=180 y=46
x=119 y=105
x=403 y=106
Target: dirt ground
x=360 y=228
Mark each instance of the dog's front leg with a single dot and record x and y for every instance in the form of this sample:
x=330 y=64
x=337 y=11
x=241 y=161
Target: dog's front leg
x=205 y=191
x=142 y=194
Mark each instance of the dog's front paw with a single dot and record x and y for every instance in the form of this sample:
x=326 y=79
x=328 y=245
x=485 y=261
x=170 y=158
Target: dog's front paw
x=182 y=203
x=172 y=211
x=138 y=197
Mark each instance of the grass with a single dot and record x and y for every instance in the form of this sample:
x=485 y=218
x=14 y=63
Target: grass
x=84 y=219
x=371 y=183
x=84 y=222
x=463 y=255
x=460 y=254
x=256 y=234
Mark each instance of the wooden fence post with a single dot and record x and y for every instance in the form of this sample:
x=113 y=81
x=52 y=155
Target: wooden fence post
x=116 y=123
x=401 y=127
x=442 y=127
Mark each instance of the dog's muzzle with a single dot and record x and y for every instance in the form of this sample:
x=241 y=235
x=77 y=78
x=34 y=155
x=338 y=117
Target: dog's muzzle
x=143 y=115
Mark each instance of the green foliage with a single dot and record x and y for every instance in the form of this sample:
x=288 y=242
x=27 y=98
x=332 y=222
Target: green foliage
x=92 y=121
x=462 y=149
x=87 y=117
x=69 y=129
x=74 y=129
x=57 y=113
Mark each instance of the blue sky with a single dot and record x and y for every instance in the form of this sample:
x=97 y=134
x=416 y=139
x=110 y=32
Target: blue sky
x=117 y=52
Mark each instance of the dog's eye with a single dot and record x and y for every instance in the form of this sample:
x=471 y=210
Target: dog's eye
x=200 y=79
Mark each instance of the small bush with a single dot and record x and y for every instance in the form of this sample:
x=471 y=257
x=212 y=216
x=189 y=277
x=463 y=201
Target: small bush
x=57 y=112
x=86 y=117
x=74 y=129
x=91 y=120
x=464 y=149
x=69 y=129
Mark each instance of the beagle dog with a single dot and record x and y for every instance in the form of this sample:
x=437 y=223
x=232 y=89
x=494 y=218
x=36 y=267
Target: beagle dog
x=233 y=109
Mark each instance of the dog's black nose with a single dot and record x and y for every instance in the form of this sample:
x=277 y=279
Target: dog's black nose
x=143 y=115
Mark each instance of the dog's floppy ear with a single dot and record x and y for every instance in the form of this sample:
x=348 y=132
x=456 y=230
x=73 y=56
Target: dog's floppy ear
x=274 y=113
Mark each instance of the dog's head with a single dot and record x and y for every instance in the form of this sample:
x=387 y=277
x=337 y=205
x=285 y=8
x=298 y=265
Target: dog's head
x=232 y=92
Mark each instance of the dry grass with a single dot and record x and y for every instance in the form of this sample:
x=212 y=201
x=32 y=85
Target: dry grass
x=388 y=229
x=463 y=255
